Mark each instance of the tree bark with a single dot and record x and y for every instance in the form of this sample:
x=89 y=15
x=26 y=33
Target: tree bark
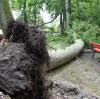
x=3 y=21
x=68 y=13
x=63 y=17
x=62 y=56
x=5 y=14
x=77 y=1
x=61 y=23
x=24 y=10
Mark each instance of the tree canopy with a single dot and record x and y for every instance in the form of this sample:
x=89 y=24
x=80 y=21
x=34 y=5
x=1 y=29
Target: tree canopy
x=67 y=12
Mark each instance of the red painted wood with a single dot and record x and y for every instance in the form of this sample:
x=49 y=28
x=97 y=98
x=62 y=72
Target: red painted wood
x=95 y=46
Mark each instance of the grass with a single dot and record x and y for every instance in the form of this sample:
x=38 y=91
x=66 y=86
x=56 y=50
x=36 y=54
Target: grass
x=59 y=41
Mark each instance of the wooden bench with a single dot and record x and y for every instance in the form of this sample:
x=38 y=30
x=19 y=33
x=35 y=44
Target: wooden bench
x=95 y=48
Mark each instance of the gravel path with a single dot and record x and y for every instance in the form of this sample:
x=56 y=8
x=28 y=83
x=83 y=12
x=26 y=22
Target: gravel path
x=82 y=71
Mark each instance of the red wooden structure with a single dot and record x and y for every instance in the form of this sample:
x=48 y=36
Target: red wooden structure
x=95 y=48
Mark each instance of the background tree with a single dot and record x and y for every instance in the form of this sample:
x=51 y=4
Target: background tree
x=29 y=9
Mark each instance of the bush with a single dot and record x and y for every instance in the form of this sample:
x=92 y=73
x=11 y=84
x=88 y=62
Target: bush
x=59 y=40
x=86 y=31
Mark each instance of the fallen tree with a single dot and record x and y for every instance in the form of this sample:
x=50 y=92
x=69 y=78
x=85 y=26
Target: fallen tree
x=62 y=56
x=21 y=62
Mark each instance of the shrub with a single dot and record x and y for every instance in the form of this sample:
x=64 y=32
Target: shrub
x=59 y=40
x=86 y=31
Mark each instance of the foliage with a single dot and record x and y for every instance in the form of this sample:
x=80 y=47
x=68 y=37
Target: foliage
x=29 y=9
x=85 y=16
x=53 y=28
x=86 y=31
x=54 y=6
x=88 y=10
x=59 y=41
x=33 y=8
x=96 y=11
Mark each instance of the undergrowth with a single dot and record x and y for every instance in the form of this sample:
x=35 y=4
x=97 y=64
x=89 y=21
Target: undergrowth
x=84 y=30
x=59 y=41
x=87 y=32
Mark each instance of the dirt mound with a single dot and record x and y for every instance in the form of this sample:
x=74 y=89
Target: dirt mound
x=19 y=73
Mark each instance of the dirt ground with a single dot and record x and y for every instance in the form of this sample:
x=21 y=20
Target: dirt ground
x=82 y=71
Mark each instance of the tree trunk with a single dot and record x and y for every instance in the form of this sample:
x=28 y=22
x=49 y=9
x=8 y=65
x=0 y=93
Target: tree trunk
x=24 y=10
x=62 y=56
x=68 y=13
x=3 y=21
x=5 y=14
x=77 y=1
x=35 y=15
x=63 y=17
x=61 y=23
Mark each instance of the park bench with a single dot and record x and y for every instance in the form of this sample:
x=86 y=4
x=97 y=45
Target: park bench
x=95 y=48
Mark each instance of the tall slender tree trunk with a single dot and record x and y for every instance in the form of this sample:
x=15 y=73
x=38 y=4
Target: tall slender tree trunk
x=3 y=21
x=24 y=10
x=68 y=13
x=64 y=14
x=61 y=23
x=35 y=15
x=77 y=1
x=63 y=17
x=5 y=14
